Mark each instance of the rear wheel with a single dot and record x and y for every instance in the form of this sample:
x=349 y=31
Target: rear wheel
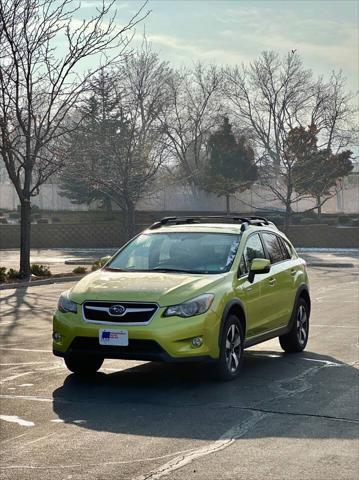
x=231 y=349
x=296 y=340
x=83 y=365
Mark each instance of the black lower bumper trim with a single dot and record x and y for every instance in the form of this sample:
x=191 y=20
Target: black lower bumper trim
x=147 y=350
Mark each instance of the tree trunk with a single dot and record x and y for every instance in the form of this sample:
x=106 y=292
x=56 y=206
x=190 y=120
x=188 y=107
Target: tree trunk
x=288 y=201
x=108 y=207
x=129 y=214
x=319 y=208
x=228 y=204
x=288 y=216
x=25 y=237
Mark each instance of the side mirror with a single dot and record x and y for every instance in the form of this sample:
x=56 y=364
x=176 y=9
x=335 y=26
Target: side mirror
x=258 y=265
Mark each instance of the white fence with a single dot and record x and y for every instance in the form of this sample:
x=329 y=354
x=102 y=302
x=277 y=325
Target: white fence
x=180 y=198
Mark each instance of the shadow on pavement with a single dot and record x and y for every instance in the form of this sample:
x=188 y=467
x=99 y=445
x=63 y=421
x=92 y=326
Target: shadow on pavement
x=185 y=401
x=17 y=304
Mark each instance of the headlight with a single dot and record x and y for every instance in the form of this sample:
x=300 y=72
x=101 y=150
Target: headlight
x=191 y=308
x=65 y=304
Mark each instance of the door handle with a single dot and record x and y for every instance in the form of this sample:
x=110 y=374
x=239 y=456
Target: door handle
x=293 y=272
x=272 y=282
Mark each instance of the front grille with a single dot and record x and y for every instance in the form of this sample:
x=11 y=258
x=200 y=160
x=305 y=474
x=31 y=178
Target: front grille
x=119 y=312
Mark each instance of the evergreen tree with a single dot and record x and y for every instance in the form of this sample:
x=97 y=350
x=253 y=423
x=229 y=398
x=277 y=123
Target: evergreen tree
x=230 y=164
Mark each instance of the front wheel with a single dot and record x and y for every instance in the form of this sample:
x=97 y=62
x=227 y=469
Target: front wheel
x=231 y=349
x=83 y=365
x=296 y=340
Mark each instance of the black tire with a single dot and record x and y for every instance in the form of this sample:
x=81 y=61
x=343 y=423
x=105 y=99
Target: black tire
x=83 y=365
x=231 y=349
x=296 y=340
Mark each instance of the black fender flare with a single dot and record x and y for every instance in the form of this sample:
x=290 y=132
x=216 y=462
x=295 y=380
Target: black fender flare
x=302 y=288
x=235 y=302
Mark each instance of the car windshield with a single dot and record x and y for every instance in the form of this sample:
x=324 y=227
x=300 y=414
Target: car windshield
x=187 y=252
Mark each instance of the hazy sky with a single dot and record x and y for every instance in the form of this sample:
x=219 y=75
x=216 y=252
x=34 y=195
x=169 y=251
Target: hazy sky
x=324 y=32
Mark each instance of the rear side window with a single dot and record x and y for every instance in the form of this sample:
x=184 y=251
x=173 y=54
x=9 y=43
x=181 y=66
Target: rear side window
x=287 y=251
x=274 y=248
x=253 y=249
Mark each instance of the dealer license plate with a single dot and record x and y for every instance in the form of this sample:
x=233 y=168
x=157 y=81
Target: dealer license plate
x=113 y=337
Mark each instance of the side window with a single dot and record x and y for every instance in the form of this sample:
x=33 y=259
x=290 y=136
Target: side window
x=287 y=251
x=253 y=249
x=274 y=248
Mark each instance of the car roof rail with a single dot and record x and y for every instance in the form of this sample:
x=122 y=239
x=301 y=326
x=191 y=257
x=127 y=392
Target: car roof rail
x=244 y=221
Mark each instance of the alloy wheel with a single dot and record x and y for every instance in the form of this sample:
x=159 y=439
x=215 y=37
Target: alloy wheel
x=233 y=348
x=302 y=325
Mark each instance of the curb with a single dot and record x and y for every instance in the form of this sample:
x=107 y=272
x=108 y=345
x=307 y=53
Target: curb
x=80 y=261
x=330 y=265
x=50 y=281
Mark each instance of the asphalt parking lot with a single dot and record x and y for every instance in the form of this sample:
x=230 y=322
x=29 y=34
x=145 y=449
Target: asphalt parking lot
x=286 y=417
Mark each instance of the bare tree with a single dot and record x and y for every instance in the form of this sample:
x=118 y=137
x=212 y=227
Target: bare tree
x=194 y=112
x=40 y=83
x=317 y=173
x=273 y=96
x=334 y=113
x=132 y=148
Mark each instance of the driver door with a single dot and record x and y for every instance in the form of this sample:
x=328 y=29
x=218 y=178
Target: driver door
x=250 y=293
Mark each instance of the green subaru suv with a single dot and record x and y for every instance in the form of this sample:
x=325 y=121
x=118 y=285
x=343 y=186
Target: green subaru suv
x=188 y=289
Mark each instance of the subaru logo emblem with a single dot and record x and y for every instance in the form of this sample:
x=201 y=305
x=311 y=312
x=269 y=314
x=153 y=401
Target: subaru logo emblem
x=117 y=310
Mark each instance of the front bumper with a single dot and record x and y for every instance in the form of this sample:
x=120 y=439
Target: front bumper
x=167 y=339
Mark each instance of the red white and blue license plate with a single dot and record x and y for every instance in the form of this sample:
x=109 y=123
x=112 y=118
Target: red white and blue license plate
x=113 y=337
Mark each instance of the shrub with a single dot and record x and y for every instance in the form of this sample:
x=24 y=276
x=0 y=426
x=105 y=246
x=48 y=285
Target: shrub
x=13 y=274
x=309 y=213
x=308 y=221
x=343 y=220
x=277 y=219
x=79 y=270
x=100 y=263
x=34 y=208
x=2 y=274
x=56 y=220
x=40 y=270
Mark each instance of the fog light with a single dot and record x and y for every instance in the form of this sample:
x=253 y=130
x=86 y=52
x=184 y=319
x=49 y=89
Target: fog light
x=197 y=342
x=57 y=336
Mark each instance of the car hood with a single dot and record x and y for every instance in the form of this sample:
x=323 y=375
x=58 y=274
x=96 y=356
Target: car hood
x=162 y=288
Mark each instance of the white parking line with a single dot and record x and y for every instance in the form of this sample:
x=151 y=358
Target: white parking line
x=39 y=439
x=25 y=350
x=28 y=397
x=25 y=363
x=13 y=438
x=227 y=439
x=16 y=419
x=13 y=377
x=86 y=465
x=334 y=326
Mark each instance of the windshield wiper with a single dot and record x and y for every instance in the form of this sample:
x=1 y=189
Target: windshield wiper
x=111 y=269
x=159 y=269
x=180 y=270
